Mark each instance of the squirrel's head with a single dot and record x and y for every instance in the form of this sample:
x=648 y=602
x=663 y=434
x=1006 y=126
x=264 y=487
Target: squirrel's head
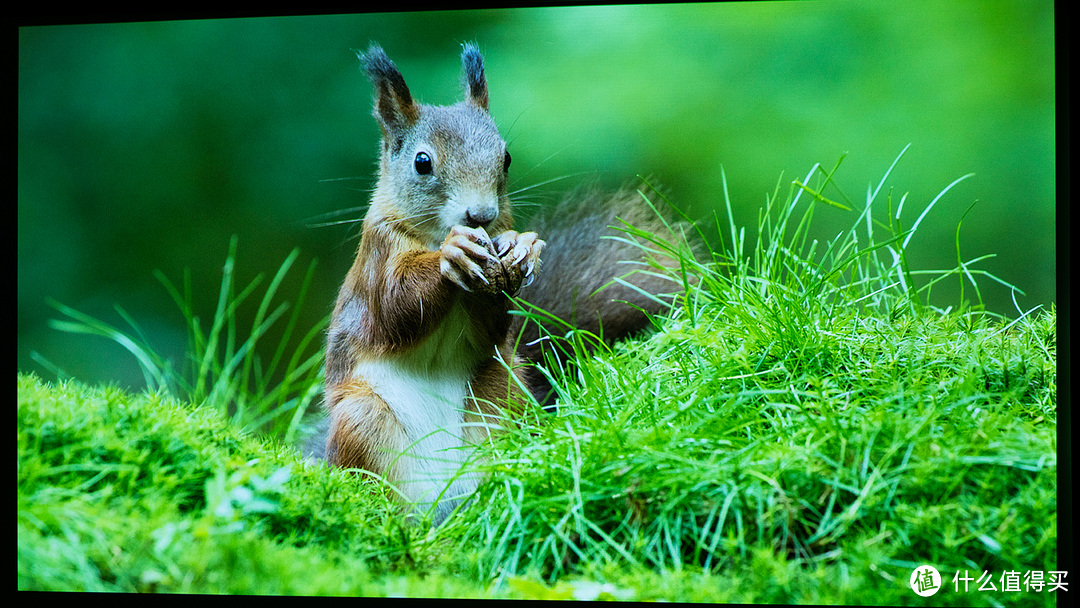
x=440 y=166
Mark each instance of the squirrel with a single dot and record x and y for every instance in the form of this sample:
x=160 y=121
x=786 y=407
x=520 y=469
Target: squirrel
x=423 y=356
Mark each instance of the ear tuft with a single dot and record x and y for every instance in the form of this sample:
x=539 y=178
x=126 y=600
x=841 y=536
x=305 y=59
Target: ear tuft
x=394 y=106
x=474 y=82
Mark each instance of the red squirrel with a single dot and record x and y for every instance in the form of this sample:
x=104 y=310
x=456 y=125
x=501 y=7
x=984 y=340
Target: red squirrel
x=421 y=346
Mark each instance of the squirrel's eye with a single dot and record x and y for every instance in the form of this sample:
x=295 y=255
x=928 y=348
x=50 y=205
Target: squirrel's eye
x=506 y=161
x=422 y=163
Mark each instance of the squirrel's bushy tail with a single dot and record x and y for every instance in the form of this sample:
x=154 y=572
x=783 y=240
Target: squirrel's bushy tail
x=585 y=253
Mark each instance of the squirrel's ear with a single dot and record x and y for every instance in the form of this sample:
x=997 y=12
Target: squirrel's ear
x=474 y=83
x=394 y=106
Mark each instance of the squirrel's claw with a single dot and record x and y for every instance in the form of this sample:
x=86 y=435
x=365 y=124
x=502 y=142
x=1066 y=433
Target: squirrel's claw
x=475 y=262
x=520 y=253
x=467 y=258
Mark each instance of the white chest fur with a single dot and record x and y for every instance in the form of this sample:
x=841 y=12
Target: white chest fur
x=426 y=389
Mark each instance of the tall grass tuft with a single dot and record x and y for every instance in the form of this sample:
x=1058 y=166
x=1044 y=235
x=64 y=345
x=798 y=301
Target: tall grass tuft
x=805 y=407
x=223 y=368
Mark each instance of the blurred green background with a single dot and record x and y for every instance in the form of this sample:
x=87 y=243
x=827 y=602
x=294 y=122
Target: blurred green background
x=145 y=146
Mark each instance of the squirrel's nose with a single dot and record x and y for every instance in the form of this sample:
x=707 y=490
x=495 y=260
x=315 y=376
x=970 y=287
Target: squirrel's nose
x=481 y=216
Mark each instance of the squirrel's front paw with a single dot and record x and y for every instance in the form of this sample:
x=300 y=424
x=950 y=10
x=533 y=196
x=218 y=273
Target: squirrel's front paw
x=469 y=260
x=519 y=254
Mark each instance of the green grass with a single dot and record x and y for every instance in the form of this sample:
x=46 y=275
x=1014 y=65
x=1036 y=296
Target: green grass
x=141 y=493
x=806 y=428
x=221 y=370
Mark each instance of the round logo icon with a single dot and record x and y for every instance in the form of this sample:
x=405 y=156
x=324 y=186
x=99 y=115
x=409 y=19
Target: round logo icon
x=925 y=581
